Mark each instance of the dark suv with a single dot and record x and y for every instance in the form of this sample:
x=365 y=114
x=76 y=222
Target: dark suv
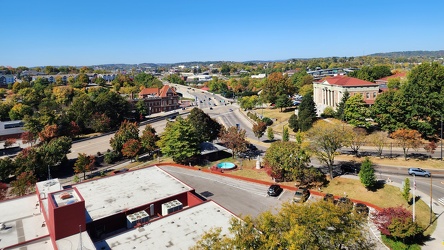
x=274 y=190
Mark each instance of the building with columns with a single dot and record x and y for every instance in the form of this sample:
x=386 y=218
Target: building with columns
x=329 y=91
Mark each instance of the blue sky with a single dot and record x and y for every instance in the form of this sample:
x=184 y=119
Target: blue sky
x=79 y=33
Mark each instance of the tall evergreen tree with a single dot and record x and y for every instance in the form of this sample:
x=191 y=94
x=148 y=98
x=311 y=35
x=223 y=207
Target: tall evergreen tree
x=307 y=112
x=341 y=106
x=367 y=174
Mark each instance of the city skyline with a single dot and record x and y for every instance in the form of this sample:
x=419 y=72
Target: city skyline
x=114 y=32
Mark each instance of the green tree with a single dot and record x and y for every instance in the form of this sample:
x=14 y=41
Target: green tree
x=293 y=122
x=206 y=128
x=307 y=112
x=356 y=111
x=371 y=74
x=19 y=111
x=131 y=148
x=81 y=111
x=311 y=225
x=179 y=141
x=406 y=190
x=5 y=107
x=270 y=134
x=389 y=111
x=341 y=106
x=326 y=138
x=84 y=164
x=127 y=131
x=51 y=154
x=287 y=158
x=285 y=134
x=259 y=129
x=276 y=85
x=113 y=106
x=283 y=101
x=367 y=174
x=7 y=168
x=100 y=122
x=234 y=139
x=378 y=139
x=100 y=81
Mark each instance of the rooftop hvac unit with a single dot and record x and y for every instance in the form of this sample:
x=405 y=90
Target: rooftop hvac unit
x=138 y=217
x=171 y=206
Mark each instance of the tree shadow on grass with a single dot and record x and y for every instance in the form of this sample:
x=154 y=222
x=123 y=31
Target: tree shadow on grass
x=378 y=185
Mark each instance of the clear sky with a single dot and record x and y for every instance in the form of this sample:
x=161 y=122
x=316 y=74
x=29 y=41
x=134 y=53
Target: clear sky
x=83 y=33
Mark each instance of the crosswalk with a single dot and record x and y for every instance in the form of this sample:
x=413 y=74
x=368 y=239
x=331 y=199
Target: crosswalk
x=441 y=201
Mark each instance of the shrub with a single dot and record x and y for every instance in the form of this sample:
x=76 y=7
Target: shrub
x=267 y=121
x=110 y=157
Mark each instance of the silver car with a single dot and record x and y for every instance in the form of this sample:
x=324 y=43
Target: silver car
x=419 y=172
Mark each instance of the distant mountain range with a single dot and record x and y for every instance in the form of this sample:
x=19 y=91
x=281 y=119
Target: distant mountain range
x=418 y=53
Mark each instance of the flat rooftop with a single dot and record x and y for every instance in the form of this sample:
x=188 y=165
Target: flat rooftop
x=75 y=241
x=114 y=194
x=180 y=230
x=23 y=221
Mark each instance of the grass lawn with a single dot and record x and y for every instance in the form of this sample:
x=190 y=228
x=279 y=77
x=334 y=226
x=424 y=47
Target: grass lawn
x=388 y=196
x=280 y=119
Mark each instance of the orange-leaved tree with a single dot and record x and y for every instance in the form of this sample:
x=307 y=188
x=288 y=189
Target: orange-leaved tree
x=407 y=139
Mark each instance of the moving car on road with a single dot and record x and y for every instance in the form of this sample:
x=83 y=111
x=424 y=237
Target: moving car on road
x=419 y=172
x=274 y=190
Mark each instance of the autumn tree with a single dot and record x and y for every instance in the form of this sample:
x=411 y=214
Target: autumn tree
x=357 y=139
x=23 y=184
x=149 y=139
x=179 y=141
x=378 y=139
x=131 y=148
x=234 y=139
x=310 y=225
x=259 y=129
x=275 y=85
x=367 y=174
x=326 y=138
x=430 y=148
x=3 y=190
x=397 y=223
x=9 y=142
x=100 y=122
x=406 y=139
x=127 y=131
x=83 y=164
x=48 y=133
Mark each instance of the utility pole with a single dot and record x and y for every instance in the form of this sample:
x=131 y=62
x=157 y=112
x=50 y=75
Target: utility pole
x=431 y=212
x=414 y=196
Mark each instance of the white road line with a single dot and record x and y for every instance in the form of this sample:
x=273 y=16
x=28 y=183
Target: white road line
x=441 y=201
x=263 y=194
x=279 y=197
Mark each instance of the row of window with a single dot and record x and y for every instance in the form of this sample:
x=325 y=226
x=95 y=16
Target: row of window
x=14 y=125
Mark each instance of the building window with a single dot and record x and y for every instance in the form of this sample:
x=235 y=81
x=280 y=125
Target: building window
x=374 y=94
x=368 y=95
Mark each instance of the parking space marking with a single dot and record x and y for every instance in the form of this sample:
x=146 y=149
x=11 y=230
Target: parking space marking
x=279 y=197
x=441 y=201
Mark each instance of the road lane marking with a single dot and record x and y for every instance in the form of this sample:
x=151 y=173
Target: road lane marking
x=441 y=201
x=279 y=197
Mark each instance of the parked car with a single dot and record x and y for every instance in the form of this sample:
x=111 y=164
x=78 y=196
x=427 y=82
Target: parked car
x=274 y=190
x=301 y=195
x=361 y=208
x=211 y=108
x=345 y=202
x=329 y=198
x=419 y=172
x=349 y=169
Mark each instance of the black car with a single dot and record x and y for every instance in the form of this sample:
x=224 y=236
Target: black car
x=361 y=208
x=349 y=169
x=329 y=198
x=274 y=190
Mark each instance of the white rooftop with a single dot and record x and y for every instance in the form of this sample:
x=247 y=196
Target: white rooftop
x=111 y=195
x=75 y=241
x=180 y=230
x=23 y=221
